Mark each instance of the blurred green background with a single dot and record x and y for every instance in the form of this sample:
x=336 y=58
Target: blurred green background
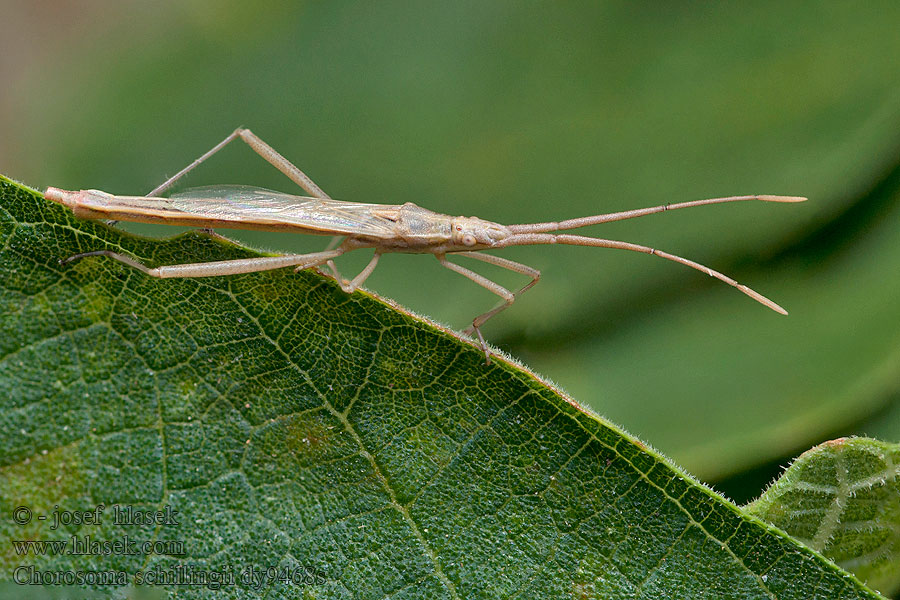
x=522 y=112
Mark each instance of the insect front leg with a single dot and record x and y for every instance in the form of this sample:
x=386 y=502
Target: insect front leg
x=510 y=265
x=508 y=297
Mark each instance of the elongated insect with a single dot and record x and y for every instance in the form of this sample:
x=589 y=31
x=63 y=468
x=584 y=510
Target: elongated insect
x=385 y=227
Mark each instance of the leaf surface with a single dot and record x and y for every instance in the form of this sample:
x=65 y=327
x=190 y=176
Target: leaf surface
x=292 y=430
x=842 y=498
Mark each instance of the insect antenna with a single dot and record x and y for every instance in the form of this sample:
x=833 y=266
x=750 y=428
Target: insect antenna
x=525 y=239
x=640 y=212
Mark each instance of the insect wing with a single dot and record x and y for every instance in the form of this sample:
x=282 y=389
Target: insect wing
x=249 y=204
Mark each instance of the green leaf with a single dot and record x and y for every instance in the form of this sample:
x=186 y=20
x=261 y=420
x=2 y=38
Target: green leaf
x=276 y=422
x=842 y=498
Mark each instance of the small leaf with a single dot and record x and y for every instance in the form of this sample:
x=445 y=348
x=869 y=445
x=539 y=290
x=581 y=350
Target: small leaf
x=842 y=498
x=302 y=439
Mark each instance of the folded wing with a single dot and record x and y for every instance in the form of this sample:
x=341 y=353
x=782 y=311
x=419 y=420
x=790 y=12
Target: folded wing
x=238 y=203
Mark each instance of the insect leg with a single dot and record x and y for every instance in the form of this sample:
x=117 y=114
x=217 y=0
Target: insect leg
x=272 y=157
x=506 y=264
x=351 y=286
x=171 y=180
x=508 y=297
x=260 y=147
x=281 y=163
x=331 y=266
x=221 y=267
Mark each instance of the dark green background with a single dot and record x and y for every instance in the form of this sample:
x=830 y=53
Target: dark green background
x=519 y=112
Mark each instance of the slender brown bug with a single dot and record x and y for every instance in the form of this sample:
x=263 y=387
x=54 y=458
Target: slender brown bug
x=385 y=227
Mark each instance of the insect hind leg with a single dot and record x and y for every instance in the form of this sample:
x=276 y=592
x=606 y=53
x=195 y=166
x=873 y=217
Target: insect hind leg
x=267 y=152
x=218 y=268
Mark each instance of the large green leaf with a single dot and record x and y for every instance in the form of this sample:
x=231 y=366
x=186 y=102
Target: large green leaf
x=842 y=498
x=292 y=426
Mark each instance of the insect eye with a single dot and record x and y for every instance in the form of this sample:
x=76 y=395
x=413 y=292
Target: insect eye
x=468 y=240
